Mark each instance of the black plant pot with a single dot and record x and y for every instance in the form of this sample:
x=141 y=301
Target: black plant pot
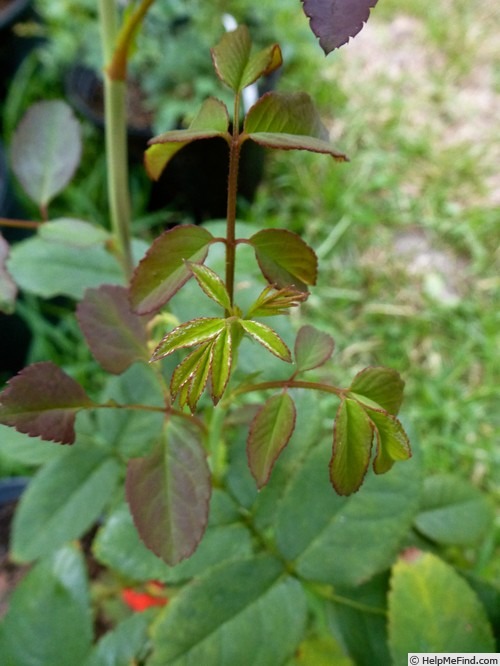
x=195 y=181
x=13 y=46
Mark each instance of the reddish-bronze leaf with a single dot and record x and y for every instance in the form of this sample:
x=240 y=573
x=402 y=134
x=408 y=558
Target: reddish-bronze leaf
x=116 y=335
x=312 y=348
x=379 y=385
x=169 y=492
x=334 y=22
x=270 y=432
x=42 y=401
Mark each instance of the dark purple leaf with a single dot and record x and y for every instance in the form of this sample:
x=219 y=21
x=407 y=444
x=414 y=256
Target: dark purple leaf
x=42 y=401
x=169 y=492
x=116 y=335
x=334 y=22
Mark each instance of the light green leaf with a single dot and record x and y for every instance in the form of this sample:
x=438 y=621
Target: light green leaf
x=213 y=621
x=163 y=271
x=211 y=284
x=453 y=511
x=21 y=449
x=222 y=359
x=8 y=289
x=285 y=259
x=70 y=231
x=450 y=617
x=235 y=65
x=312 y=348
x=127 y=641
x=190 y=333
x=46 y=149
x=382 y=386
x=62 y=501
x=49 y=620
x=352 y=444
x=288 y=121
x=267 y=338
x=392 y=441
x=211 y=121
x=199 y=379
x=184 y=372
x=270 y=432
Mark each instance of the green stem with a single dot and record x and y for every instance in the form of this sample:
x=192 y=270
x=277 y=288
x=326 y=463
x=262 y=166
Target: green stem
x=116 y=140
x=287 y=384
x=326 y=592
x=232 y=191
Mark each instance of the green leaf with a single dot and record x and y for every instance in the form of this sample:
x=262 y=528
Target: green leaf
x=211 y=284
x=235 y=65
x=199 y=380
x=127 y=641
x=453 y=511
x=285 y=259
x=213 y=620
x=185 y=371
x=382 y=386
x=49 y=620
x=267 y=338
x=271 y=302
x=18 y=448
x=190 y=333
x=168 y=493
x=344 y=541
x=288 y=121
x=211 y=121
x=8 y=289
x=313 y=348
x=320 y=650
x=118 y=546
x=115 y=335
x=222 y=359
x=270 y=432
x=450 y=617
x=62 y=501
x=352 y=443
x=392 y=441
x=163 y=271
x=42 y=401
x=46 y=149
x=73 y=232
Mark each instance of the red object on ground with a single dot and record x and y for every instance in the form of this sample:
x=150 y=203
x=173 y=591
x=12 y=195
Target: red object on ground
x=141 y=601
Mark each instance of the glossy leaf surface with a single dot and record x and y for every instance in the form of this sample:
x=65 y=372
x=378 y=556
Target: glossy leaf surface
x=235 y=64
x=222 y=359
x=163 y=270
x=168 y=493
x=285 y=259
x=270 y=432
x=382 y=386
x=267 y=337
x=392 y=441
x=450 y=617
x=212 y=285
x=116 y=335
x=189 y=334
x=211 y=121
x=213 y=620
x=46 y=149
x=49 y=620
x=352 y=443
x=336 y=21
x=42 y=400
x=63 y=501
x=312 y=349
x=288 y=121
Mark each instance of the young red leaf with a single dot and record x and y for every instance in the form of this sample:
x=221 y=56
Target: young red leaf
x=222 y=359
x=46 y=149
x=211 y=284
x=288 y=121
x=270 y=432
x=285 y=259
x=382 y=386
x=312 y=348
x=169 y=491
x=42 y=401
x=392 y=441
x=267 y=338
x=163 y=271
x=352 y=443
x=212 y=120
x=189 y=334
x=334 y=22
x=8 y=289
x=235 y=65
x=272 y=301
x=116 y=335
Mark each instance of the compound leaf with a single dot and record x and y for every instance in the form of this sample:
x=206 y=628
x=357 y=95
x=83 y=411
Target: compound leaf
x=116 y=335
x=270 y=432
x=42 y=401
x=163 y=271
x=312 y=348
x=189 y=334
x=168 y=493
